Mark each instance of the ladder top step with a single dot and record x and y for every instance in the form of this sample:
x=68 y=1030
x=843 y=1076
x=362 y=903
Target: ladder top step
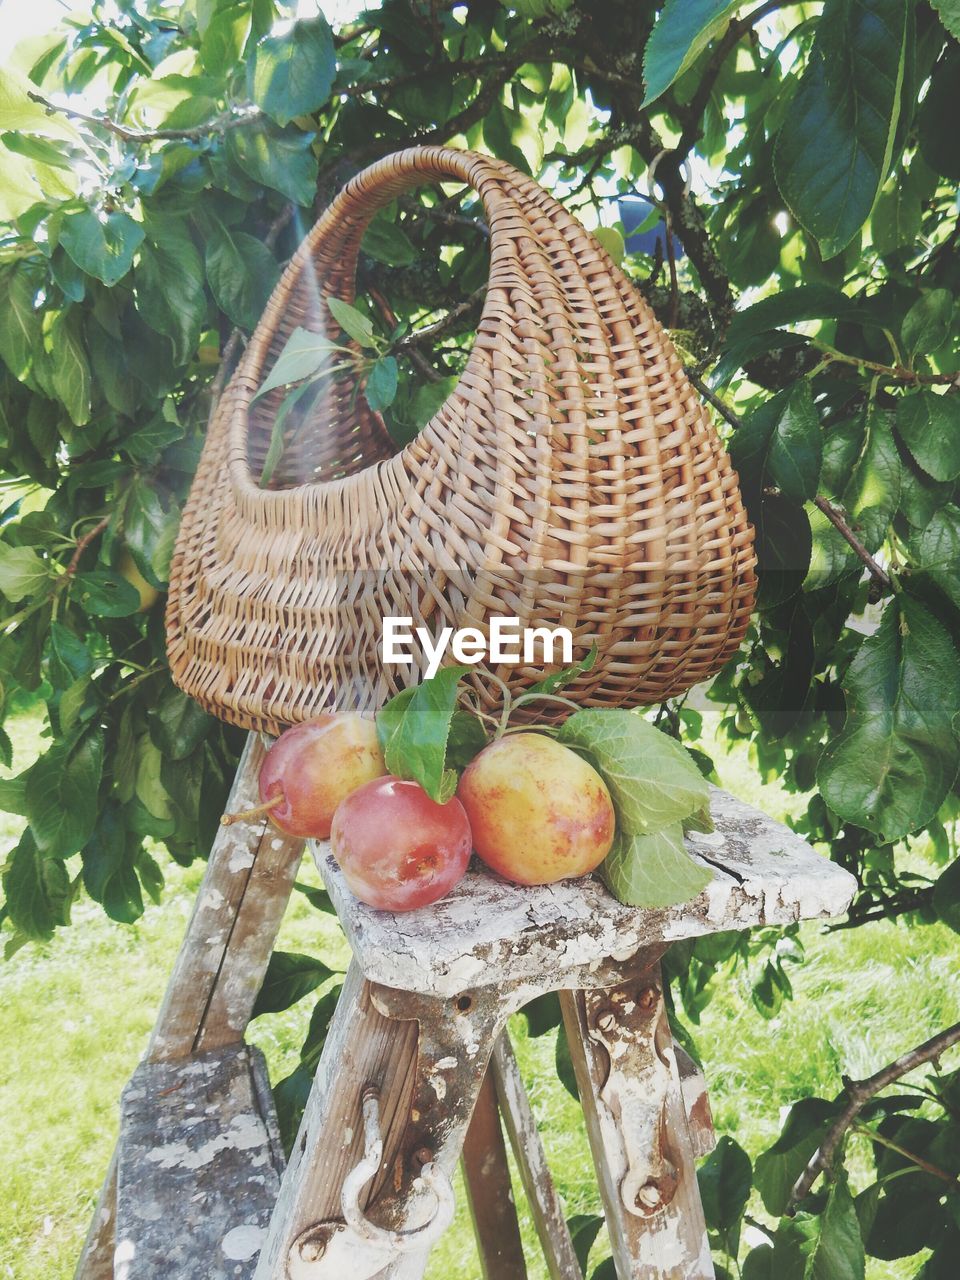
x=199 y=1167
x=489 y=931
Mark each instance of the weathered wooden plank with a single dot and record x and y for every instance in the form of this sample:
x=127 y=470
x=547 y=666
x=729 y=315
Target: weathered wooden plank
x=362 y=1047
x=221 y=963
x=696 y=1103
x=538 y=1185
x=425 y=1059
x=622 y=1054
x=486 y=1176
x=251 y=941
x=489 y=931
x=199 y=1168
x=200 y=960
x=96 y=1259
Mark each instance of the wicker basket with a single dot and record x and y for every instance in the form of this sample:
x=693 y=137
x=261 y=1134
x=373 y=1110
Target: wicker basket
x=572 y=478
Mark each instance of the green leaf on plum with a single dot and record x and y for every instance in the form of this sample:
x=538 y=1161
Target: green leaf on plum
x=652 y=780
x=414 y=728
x=653 y=870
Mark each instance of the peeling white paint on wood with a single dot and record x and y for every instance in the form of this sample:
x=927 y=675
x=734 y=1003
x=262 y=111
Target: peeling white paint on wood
x=490 y=931
x=196 y=1190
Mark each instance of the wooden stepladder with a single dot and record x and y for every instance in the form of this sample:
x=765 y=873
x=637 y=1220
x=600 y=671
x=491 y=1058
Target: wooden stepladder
x=417 y=1072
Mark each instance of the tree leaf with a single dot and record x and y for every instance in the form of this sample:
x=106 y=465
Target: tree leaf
x=388 y=243
x=834 y=149
x=68 y=657
x=290 y=976
x=224 y=38
x=169 y=283
x=563 y=1063
x=381 y=385
x=926 y=325
x=777 y=1169
x=146 y=528
x=109 y=868
x=652 y=780
x=895 y=222
x=22 y=572
x=560 y=679
x=277 y=443
x=70 y=369
x=930 y=427
x=106 y=594
x=949 y=11
x=37 y=890
x=414 y=728
x=584 y=1229
x=353 y=322
x=319 y=1027
x=946 y=896
x=872 y=494
x=781 y=444
x=725 y=1180
x=241 y=272
x=758 y=1264
x=935 y=552
x=466 y=739
x=20 y=322
x=102 y=247
x=653 y=870
x=178 y=724
x=897 y=756
x=824 y=1246
x=305 y=355
x=61 y=795
x=290 y=1097
x=282 y=160
x=294 y=72
x=681 y=33
x=939 y=144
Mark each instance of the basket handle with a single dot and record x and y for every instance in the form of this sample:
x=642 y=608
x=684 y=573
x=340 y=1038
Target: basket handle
x=325 y=264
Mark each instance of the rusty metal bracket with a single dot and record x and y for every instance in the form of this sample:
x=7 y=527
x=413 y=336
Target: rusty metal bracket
x=628 y=1023
x=355 y=1245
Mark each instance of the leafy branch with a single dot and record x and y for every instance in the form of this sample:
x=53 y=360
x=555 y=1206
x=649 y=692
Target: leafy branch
x=219 y=124
x=857 y=1094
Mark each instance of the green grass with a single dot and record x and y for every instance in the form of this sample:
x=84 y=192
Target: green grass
x=75 y=1016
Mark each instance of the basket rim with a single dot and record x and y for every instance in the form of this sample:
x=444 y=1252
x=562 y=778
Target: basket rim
x=463 y=165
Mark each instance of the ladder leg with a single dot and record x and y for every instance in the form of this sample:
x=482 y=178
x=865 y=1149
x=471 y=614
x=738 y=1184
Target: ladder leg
x=96 y=1260
x=422 y=1060
x=630 y=1087
x=220 y=965
x=538 y=1184
x=489 y=1190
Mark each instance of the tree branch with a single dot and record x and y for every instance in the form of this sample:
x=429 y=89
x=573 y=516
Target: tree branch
x=431 y=332
x=219 y=124
x=877 y=572
x=711 y=397
x=693 y=113
x=82 y=544
x=858 y=1093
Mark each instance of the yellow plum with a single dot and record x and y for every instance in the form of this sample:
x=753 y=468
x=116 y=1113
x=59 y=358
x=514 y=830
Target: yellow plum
x=538 y=812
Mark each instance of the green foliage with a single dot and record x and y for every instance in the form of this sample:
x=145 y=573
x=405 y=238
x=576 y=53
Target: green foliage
x=130 y=250
x=836 y=144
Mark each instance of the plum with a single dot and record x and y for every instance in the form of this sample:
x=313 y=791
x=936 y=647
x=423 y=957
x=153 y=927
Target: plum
x=399 y=849
x=538 y=812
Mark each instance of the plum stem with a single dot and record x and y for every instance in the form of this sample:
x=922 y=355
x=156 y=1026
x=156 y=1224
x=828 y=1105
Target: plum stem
x=228 y=819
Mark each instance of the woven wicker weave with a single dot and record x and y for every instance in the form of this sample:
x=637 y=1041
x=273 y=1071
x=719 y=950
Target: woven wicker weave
x=573 y=478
